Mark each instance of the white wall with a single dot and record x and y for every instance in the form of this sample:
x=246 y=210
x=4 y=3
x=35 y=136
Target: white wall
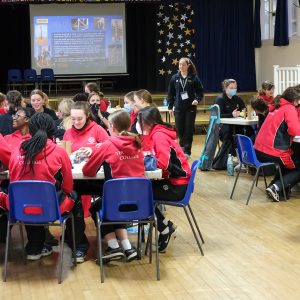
x=269 y=55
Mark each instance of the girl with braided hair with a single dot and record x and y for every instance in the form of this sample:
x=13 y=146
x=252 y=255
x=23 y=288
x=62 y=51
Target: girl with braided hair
x=39 y=158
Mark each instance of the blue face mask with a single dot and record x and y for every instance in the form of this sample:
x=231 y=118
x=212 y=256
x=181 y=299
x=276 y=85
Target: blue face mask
x=127 y=107
x=231 y=92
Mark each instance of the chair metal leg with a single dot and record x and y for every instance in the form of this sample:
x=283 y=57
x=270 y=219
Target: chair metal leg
x=100 y=249
x=4 y=274
x=282 y=183
x=22 y=242
x=61 y=252
x=266 y=185
x=194 y=232
x=255 y=178
x=148 y=239
x=139 y=248
x=156 y=252
x=150 y=243
x=236 y=179
x=74 y=241
x=196 y=224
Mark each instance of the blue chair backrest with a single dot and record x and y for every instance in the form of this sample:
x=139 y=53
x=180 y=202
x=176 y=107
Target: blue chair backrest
x=127 y=199
x=191 y=184
x=14 y=75
x=33 y=201
x=246 y=150
x=30 y=75
x=47 y=74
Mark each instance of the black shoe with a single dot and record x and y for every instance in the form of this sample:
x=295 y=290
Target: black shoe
x=80 y=256
x=272 y=193
x=131 y=254
x=113 y=254
x=164 y=239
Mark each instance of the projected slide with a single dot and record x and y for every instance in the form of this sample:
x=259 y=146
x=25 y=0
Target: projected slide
x=79 y=44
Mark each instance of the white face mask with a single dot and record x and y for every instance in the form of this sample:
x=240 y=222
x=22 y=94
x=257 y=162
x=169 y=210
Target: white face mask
x=138 y=128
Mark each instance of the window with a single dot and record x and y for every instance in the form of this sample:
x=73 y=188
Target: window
x=267 y=18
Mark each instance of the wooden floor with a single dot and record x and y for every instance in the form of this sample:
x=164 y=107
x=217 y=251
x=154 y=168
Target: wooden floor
x=251 y=252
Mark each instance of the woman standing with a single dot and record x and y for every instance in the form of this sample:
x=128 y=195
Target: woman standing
x=184 y=94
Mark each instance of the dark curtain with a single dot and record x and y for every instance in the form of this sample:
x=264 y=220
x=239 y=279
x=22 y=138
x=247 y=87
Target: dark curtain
x=257 y=29
x=224 y=43
x=281 y=31
x=15 y=37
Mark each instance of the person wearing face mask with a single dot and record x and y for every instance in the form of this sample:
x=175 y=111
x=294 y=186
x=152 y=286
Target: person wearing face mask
x=184 y=94
x=230 y=106
x=275 y=139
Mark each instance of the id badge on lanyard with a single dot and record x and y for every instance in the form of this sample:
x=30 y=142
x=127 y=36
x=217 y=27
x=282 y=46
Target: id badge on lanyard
x=184 y=95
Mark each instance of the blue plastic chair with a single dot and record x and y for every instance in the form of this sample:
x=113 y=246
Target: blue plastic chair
x=30 y=79
x=14 y=78
x=47 y=76
x=185 y=202
x=247 y=157
x=33 y=202
x=124 y=201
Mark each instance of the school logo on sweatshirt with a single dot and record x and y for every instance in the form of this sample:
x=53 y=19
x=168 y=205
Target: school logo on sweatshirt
x=91 y=141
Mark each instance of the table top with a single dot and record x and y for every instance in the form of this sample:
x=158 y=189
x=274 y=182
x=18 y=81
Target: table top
x=77 y=174
x=239 y=121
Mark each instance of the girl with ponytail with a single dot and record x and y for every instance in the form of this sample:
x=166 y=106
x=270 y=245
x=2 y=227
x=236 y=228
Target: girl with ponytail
x=121 y=156
x=39 y=158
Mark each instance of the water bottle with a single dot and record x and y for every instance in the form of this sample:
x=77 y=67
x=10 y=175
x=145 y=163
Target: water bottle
x=229 y=165
x=165 y=103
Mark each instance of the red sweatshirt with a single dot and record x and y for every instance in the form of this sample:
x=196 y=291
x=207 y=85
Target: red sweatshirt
x=120 y=156
x=15 y=139
x=57 y=160
x=267 y=99
x=170 y=157
x=276 y=134
x=4 y=151
x=91 y=135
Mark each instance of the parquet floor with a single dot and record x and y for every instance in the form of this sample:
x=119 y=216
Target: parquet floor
x=251 y=252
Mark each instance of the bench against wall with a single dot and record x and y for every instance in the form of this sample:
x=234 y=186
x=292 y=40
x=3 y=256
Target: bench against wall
x=285 y=77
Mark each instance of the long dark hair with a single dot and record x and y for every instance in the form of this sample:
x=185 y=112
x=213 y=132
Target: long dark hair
x=41 y=127
x=151 y=116
x=290 y=94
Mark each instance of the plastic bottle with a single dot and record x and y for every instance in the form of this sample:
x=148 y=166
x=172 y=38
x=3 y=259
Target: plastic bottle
x=165 y=103
x=229 y=165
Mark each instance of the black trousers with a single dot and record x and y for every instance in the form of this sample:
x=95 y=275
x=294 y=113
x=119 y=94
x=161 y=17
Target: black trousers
x=185 y=126
x=290 y=176
x=164 y=190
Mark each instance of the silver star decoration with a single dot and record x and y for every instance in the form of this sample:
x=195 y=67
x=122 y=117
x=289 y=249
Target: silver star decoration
x=192 y=12
x=160 y=15
x=179 y=36
x=161 y=7
x=159 y=41
x=163 y=59
x=181 y=26
x=187 y=42
x=166 y=19
x=181 y=45
x=168 y=43
x=183 y=17
x=170 y=35
x=158 y=23
x=178 y=50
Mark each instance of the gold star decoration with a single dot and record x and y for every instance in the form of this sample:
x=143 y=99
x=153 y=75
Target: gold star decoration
x=186 y=50
x=189 y=20
x=161 y=32
x=175 y=44
x=169 y=72
x=159 y=50
x=162 y=72
x=169 y=51
x=174 y=61
x=187 y=31
x=170 y=26
x=193 y=46
x=175 y=18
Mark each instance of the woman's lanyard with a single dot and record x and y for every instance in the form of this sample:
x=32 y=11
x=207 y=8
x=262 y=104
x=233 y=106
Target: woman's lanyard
x=184 y=95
